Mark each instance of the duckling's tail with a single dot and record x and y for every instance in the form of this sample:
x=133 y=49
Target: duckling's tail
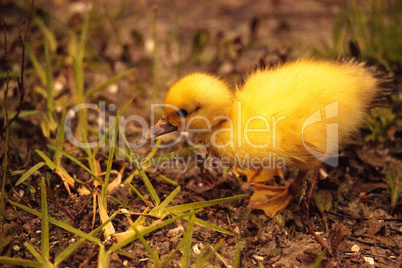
x=384 y=81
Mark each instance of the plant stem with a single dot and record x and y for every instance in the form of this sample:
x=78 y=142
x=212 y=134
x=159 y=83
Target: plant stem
x=155 y=86
x=5 y=156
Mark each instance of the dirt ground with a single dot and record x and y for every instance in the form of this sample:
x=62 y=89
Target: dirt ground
x=227 y=38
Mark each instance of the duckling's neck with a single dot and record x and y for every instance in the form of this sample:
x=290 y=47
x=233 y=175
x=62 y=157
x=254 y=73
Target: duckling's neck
x=220 y=137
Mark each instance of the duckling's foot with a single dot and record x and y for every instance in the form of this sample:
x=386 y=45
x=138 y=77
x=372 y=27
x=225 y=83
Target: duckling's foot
x=271 y=199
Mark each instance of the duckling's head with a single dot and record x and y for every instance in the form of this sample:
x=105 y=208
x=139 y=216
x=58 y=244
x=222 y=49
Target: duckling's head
x=195 y=102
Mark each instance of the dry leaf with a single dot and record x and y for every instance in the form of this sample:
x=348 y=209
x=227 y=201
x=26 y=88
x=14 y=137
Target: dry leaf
x=271 y=199
x=109 y=228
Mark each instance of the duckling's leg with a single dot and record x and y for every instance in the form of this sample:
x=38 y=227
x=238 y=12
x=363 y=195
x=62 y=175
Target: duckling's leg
x=295 y=186
x=262 y=175
x=273 y=199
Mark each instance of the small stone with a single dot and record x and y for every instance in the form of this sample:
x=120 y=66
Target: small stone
x=27 y=227
x=114 y=257
x=258 y=258
x=355 y=248
x=10 y=214
x=236 y=230
x=113 y=88
x=369 y=260
x=175 y=231
x=196 y=249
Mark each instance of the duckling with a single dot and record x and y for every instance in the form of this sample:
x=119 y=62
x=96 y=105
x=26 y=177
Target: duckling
x=297 y=114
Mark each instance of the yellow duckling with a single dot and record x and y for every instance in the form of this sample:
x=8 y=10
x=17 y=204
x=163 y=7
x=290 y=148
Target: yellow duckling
x=297 y=114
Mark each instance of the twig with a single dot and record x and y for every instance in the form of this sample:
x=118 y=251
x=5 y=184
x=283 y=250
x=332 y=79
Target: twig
x=84 y=205
x=357 y=218
x=307 y=218
x=90 y=256
x=363 y=239
x=5 y=157
x=65 y=210
x=219 y=256
x=20 y=80
x=155 y=83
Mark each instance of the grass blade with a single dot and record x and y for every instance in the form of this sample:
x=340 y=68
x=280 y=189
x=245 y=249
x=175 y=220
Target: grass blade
x=154 y=254
x=169 y=258
x=47 y=33
x=158 y=210
x=138 y=193
x=78 y=68
x=169 y=156
x=112 y=80
x=237 y=255
x=103 y=257
x=75 y=160
x=148 y=230
x=37 y=67
x=132 y=159
x=60 y=140
x=109 y=229
x=67 y=179
x=30 y=171
x=125 y=108
x=22 y=113
x=48 y=161
x=116 y=201
x=110 y=161
x=153 y=151
x=187 y=242
x=104 y=138
x=165 y=179
x=212 y=226
x=197 y=205
x=49 y=84
x=35 y=253
x=45 y=221
x=20 y=262
x=394 y=182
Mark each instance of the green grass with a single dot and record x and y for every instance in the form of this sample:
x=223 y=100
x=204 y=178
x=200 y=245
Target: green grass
x=369 y=30
x=160 y=212
x=394 y=182
x=53 y=159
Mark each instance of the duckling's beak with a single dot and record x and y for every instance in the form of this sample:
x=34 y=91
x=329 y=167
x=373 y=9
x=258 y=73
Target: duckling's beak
x=161 y=128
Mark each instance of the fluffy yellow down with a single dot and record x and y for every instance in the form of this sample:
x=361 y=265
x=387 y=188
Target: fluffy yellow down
x=298 y=112
x=267 y=114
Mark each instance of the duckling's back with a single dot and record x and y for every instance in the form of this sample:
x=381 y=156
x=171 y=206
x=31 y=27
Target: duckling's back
x=309 y=108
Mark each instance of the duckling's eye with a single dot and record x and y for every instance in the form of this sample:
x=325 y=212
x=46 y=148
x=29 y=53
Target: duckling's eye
x=182 y=113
